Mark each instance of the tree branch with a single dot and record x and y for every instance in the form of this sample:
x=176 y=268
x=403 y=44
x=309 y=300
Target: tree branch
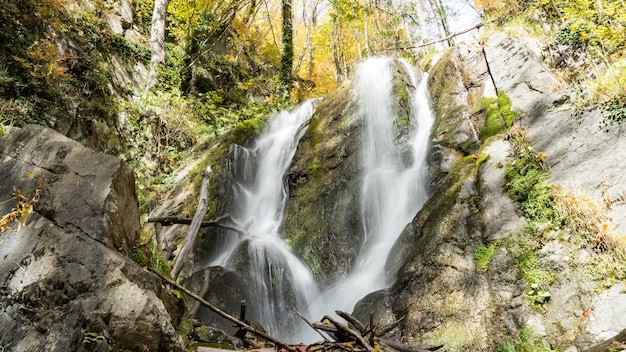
x=217 y=222
x=220 y=312
x=477 y=26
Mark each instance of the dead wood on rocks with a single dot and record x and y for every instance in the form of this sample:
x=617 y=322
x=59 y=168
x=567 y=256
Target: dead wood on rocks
x=352 y=336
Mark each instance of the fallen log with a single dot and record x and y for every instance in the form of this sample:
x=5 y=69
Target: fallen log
x=195 y=224
x=352 y=320
x=388 y=328
x=476 y=26
x=408 y=348
x=349 y=332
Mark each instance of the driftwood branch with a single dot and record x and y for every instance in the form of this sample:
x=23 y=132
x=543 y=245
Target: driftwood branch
x=343 y=333
x=477 y=26
x=175 y=220
x=614 y=343
x=352 y=320
x=351 y=333
x=493 y=81
x=220 y=312
x=311 y=325
x=390 y=327
x=406 y=348
x=195 y=224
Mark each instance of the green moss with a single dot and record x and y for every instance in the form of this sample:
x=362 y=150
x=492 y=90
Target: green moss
x=304 y=226
x=483 y=255
x=402 y=106
x=527 y=184
x=246 y=130
x=525 y=342
x=436 y=211
x=482 y=158
x=116 y=283
x=498 y=115
x=313 y=167
x=314 y=131
x=146 y=252
x=185 y=327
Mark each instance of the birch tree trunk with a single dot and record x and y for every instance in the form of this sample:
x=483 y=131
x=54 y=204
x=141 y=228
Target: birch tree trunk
x=157 y=39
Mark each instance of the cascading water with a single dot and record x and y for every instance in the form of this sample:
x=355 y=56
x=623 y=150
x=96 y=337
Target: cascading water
x=278 y=280
x=393 y=190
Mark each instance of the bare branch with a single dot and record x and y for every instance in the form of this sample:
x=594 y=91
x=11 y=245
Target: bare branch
x=221 y=312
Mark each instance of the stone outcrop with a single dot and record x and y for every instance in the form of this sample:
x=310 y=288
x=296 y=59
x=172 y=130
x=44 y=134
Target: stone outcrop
x=445 y=296
x=65 y=284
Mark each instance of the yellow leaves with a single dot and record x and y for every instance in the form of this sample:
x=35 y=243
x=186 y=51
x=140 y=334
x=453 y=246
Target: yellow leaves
x=488 y=4
x=541 y=157
x=23 y=207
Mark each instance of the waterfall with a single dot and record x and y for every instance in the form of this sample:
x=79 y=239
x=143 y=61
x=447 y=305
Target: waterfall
x=276 y=278
x=393 y=191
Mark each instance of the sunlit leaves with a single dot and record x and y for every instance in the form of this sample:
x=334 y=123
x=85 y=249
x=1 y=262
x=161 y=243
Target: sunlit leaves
x=18 y=215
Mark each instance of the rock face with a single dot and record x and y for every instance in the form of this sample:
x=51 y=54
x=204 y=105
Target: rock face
x=74 y=197
x=65 y=285
x=441 y=289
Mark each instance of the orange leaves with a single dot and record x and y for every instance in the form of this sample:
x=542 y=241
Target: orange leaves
x=43 y=61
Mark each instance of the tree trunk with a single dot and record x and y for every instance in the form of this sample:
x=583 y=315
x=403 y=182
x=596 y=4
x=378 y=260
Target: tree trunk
x=422 y=24
x=195 y=224
x=366 y=37
x=357 y=35
x=556 y=8
x=157 y=39
x=440 y=18
x=305 y=46
x=314 y=14
x=444 y=21
x=338 y=70
x=286 y=60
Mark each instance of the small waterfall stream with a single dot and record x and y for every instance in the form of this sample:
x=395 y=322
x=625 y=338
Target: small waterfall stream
x=393 y=191
x=279 y=281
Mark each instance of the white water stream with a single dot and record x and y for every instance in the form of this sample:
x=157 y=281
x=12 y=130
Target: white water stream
x=393 y=191
x=275 y=276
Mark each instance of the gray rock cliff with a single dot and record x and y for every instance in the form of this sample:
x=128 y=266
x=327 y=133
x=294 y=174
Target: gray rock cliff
x=441 y=289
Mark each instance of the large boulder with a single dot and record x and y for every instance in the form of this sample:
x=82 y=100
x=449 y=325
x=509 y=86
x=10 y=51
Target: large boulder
x=65 y=285
x=85 y=192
